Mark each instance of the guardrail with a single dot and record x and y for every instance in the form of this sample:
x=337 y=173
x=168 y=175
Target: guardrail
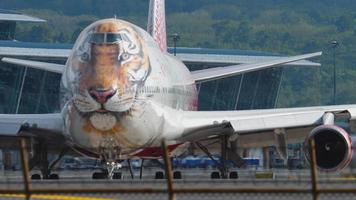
x=28 y=191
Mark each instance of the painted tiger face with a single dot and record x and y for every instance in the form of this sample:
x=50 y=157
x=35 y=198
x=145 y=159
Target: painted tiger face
x=112 y=64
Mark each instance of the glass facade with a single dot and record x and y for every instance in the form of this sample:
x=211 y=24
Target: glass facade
x=252 y=90
x=26 y=90
x=7 y=30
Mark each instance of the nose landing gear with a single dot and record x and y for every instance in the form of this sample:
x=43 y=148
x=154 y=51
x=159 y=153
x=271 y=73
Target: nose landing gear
x=110 y=171
x=110 y=155
x=111 y=167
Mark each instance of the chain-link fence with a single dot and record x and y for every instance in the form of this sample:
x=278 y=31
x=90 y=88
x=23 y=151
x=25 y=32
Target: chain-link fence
x=294 y=187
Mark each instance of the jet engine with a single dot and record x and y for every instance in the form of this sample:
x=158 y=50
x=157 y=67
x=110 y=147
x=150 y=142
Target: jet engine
x=333 y=147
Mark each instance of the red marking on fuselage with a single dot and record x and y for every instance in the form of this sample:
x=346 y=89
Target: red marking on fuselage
x=155 y=151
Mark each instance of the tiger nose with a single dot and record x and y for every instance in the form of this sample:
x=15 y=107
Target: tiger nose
x=101 y=95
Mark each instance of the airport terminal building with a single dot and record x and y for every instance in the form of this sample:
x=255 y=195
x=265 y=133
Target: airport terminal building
x=27 y=90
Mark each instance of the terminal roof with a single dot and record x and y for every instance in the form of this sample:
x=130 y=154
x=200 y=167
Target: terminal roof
x=8 y=15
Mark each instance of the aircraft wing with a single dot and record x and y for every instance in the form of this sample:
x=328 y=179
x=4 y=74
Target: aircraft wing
x=42 y=126
x=199 y=75
x=46 y=66
x=257 y=128
x=223 y=72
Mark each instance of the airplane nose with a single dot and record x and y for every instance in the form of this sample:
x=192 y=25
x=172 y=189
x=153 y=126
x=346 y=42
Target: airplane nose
x=101 y=95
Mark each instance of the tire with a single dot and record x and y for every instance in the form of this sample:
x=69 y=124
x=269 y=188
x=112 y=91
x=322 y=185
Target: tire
x=177 y=175
x=233 y=175
x=99 y=175
x=117 y=175
x=36 y=177
x=159 y=175
x=215 y=175
x=54 y=176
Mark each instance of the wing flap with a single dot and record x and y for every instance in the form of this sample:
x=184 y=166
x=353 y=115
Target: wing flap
x=9 y=128
x=223 y=72
x=47 y=127
x=267 y=138
x=51 y=67
x=11 y=124
x=284 y=120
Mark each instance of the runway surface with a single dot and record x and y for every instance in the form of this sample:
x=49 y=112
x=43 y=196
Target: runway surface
x=77 y=180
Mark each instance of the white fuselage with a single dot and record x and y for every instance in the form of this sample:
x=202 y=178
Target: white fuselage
x=120 y=91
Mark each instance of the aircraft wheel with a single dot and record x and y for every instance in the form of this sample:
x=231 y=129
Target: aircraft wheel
x=36 y=177
x=117 y=175
x=159 y=175
x=233 y=175
x=99 y=175
x=215 y=175
x=177 y=175
x=54 y=176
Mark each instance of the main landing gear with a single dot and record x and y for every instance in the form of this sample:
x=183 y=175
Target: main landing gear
x=222 y=164
x=161 y=175
x=40 y=160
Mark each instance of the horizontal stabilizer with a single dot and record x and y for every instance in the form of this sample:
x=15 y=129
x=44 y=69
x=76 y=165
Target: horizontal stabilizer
x=224 y=72
x=51 y=67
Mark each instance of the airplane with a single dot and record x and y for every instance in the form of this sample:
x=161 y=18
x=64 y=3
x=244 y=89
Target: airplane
x=122 y=94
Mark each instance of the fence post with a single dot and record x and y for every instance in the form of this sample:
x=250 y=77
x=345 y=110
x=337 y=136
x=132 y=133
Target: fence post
x=25 y=168
x=313 y=170
x=168 y=170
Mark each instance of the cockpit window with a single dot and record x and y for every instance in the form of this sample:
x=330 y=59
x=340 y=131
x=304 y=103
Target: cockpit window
x=113 y=37
x=105 y=38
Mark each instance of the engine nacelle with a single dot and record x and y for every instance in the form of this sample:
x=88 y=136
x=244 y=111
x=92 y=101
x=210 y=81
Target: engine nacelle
x=333 y=147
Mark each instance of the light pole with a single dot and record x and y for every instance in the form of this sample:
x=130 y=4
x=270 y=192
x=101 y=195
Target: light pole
x=334 y=45
x=176 y=37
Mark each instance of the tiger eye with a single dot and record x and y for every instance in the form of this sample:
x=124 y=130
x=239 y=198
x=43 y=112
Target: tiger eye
x=85 y=56
x=125 y=56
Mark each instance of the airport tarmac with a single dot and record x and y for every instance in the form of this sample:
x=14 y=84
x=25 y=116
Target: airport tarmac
x=78 y=180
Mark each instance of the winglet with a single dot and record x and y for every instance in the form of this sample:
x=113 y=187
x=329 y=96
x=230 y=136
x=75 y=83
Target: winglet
x=156 y=25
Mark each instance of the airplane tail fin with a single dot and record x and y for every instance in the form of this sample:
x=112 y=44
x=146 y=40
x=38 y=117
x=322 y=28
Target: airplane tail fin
x=156 y=25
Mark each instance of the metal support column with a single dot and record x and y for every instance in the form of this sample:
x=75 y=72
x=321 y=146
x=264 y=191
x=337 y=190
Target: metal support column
x=224 y=172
